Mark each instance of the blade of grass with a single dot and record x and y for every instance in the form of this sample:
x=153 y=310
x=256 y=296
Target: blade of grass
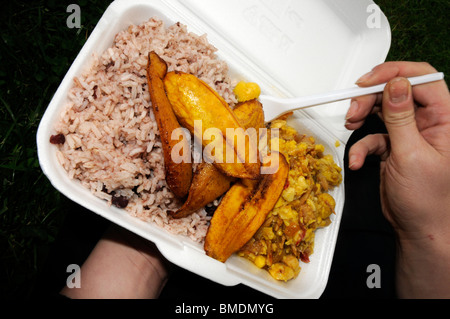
x=13 y=124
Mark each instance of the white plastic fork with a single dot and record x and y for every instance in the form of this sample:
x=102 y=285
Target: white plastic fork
x=275 y=107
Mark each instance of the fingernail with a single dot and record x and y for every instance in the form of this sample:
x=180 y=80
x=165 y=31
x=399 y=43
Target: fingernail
x=398 y=90
x=352 y=161
x=352 y=110
x=365 y=77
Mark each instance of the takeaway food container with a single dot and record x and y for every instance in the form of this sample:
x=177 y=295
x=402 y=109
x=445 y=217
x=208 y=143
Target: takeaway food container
x=290 y=48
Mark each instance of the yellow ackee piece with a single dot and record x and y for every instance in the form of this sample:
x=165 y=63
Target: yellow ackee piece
x=260 y=261
x=246 y=91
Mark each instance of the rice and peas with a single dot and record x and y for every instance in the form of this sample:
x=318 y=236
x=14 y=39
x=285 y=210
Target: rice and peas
x=107 y=135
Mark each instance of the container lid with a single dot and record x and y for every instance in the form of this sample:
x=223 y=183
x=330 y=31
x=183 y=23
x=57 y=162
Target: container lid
x=287 y=44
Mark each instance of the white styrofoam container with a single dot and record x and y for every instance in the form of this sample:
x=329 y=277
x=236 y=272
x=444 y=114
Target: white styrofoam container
x=290 y=48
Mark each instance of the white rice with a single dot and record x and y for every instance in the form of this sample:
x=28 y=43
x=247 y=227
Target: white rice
x=112 y=140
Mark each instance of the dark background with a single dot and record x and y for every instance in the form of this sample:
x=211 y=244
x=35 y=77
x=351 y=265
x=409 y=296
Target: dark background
x=40 y=230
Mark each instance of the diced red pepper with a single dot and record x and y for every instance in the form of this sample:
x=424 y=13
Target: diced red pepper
x=304 y=257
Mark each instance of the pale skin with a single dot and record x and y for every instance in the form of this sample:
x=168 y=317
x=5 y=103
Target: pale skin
x=121 y=266
x=415 y=172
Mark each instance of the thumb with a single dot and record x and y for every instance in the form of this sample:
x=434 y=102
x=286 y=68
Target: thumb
x=399 y=115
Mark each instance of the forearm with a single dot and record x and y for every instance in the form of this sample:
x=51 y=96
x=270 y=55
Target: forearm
x=423 y=268
x=122 y=265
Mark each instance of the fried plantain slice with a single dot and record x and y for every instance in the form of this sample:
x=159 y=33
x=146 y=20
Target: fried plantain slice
x=242 y=211
x=178 y=175
x=205 y=113
x=208 y=183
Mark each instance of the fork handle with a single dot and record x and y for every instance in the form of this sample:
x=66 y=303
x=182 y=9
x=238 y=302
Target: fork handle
x=344 y=94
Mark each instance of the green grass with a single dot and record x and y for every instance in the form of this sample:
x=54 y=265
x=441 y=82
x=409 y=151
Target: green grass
x=420 y=31
x=36 y=50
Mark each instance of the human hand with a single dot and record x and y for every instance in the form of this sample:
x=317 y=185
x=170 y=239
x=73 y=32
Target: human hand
x=415 y=154
x=121 y=266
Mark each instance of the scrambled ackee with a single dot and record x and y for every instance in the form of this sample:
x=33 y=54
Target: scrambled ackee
x=288 y=232
x=246 y=91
